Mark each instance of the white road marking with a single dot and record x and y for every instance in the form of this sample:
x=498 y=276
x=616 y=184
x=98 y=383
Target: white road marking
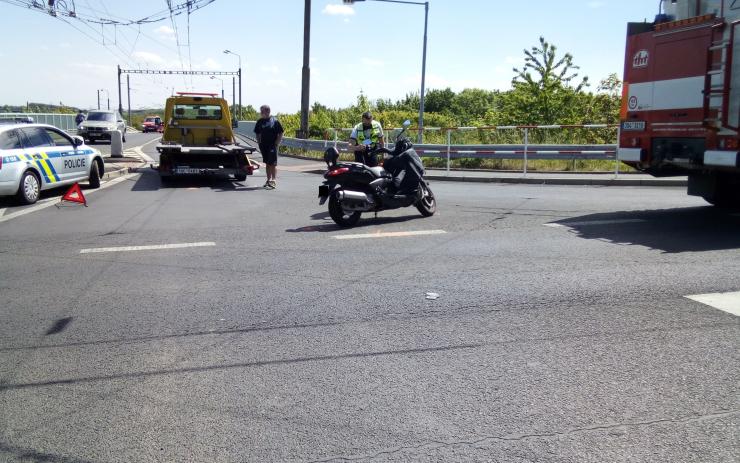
x=48 y=202
x=389 y=234
x=143 y=155
x=149 y=247
x=592 y=222
x=727 y=302
x=43 y=204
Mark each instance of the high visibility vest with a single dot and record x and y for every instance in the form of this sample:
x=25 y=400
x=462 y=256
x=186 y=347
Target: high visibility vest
x=375 y=131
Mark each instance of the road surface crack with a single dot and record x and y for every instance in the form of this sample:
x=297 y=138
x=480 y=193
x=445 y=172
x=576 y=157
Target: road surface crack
x=435 y=444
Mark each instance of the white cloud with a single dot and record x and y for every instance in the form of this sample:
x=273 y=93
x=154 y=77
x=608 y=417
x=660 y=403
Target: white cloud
x=338 y=10
x=147 y=57
x=439 y=82
x=209 y=64
x=276 y=83
x=272 y=69
x=99 y=70
x=373 y=63
x=165 y=32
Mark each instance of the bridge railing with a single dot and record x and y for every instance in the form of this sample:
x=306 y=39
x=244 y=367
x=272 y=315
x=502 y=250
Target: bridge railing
x=62 y=121
x=523 y=151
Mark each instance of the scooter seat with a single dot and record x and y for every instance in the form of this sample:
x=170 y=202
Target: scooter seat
x=378 y=171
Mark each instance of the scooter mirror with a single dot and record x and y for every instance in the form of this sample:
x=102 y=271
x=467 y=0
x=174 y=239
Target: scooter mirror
x=406 y=123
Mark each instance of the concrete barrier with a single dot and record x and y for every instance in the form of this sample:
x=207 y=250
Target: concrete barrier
x=116 y=144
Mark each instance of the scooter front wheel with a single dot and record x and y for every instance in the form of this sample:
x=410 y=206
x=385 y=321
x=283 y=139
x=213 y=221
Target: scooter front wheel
x=426 y=204
x=339 y=216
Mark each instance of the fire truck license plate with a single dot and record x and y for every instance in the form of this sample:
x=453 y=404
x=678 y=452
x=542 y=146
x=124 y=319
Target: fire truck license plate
x=633 y=125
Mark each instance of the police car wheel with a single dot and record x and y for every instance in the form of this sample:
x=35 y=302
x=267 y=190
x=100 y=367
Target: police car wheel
x=94 y=175
x=29 y=189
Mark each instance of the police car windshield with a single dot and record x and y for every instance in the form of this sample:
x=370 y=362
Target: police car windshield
x=107 y=117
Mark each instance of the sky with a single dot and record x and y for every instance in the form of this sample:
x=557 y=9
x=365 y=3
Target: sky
x=370 y=47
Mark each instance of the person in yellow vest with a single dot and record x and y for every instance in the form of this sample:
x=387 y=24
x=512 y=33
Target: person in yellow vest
x=366 y=133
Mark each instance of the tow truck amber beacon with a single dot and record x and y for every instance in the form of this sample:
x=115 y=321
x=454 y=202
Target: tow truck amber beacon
x=681 y=97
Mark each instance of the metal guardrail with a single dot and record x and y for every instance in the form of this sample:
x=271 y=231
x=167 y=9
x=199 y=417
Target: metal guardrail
x=62 y=121
x=523 y=152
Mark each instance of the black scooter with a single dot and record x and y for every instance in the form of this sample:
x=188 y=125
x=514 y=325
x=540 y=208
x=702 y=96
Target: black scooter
x=353 y=188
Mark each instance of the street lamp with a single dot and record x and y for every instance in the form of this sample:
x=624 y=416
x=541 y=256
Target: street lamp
x=423 y=59
x=222 y=84
x=229 y=52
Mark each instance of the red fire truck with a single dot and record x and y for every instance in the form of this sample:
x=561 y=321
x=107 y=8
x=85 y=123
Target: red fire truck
x=681 y=97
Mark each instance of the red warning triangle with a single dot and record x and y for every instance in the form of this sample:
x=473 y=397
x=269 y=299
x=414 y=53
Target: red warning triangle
x=75 y=195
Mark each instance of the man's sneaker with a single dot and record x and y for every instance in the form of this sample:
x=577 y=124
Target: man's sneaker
x=267 y=185
x=273 y=184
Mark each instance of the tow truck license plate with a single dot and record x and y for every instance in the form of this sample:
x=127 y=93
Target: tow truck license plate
x=633 y=125
x=186 y=170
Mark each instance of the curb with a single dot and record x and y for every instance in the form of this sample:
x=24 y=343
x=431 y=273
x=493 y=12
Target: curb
x=560 y=181
x=114 y=169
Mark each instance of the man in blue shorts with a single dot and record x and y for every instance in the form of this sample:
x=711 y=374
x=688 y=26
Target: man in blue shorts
x=269 y=133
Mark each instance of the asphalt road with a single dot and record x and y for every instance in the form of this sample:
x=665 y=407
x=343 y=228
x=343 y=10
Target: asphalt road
x=561 y=331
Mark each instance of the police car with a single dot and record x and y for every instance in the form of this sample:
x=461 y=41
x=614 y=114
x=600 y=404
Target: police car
x=36 y=157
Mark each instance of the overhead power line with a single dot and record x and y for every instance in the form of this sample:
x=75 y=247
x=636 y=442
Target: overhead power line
x=69 y=9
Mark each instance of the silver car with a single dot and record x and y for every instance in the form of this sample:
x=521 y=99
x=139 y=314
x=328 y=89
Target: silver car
x=99 y=124
x=36 y=157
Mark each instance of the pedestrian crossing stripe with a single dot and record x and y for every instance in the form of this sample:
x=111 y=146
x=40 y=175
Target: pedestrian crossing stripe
x=727 y=302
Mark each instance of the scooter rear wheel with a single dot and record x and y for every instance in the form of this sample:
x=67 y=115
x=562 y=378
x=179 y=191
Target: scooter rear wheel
x=339 y=216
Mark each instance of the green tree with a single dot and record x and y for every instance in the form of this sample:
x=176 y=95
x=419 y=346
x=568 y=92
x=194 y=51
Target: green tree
x=439 y=101
x=470 y=106
x=608 y=100
x=548 y=84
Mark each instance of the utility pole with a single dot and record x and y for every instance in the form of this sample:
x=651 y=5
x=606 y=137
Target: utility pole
x=420 y=135
x=239 y=73
x=233 y=94
x=98 y=98
x=120 y=100
x=306 y=72
x=128 y=84
x=240 y=89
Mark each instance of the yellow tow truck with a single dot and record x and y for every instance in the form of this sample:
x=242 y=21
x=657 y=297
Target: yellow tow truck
x=198 y=139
